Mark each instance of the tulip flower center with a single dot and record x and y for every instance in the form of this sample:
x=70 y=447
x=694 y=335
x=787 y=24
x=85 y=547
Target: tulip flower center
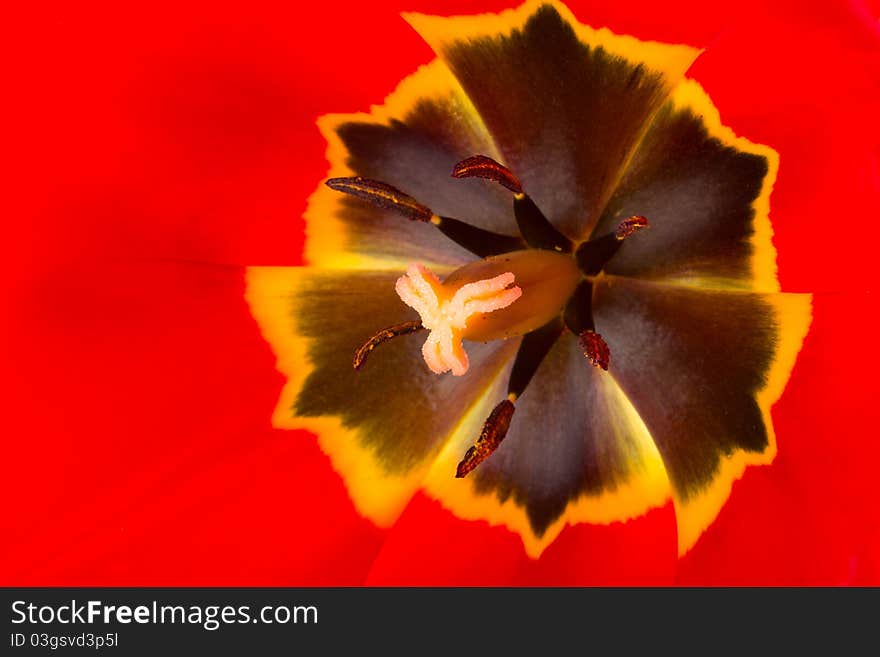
x=536 y=285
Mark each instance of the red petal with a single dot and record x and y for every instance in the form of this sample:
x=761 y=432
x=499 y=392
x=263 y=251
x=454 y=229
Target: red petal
x=141 y=450
x=430 y=547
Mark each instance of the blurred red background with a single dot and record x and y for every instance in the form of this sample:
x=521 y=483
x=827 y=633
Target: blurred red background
x=156 y=152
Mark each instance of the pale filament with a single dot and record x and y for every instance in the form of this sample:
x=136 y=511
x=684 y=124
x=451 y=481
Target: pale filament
x=446 y=316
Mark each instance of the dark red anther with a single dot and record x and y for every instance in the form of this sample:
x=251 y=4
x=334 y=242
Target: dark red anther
x=494 y=431
x=628 y=226
x=386 y=334
x=482 y=166
x=595 y=349
x=382 y=195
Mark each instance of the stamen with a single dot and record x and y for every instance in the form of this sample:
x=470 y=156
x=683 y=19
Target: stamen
x=483 y=243
x=446 y=315
x=578 y=313
x=383 y=195
x=629 y=226
x=532 y=351
x=593 y=255
x=386 y=334
x=494 y=430
x=595 y=349
x=535 y=228
x=482 y=166
x=578 y=316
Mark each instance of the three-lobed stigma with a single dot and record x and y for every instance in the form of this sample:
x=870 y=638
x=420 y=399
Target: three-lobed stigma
x=446 y=310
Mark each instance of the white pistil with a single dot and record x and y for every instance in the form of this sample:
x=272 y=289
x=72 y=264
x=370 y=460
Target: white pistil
x=445 y=313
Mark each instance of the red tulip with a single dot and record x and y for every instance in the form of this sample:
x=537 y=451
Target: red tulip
x=159 y=156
